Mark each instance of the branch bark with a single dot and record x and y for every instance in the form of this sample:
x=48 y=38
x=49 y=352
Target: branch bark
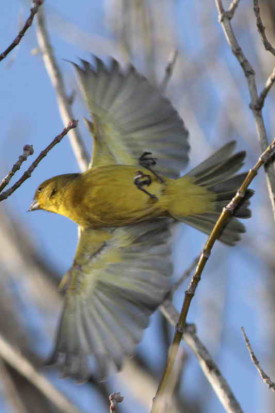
x=209 y=367
x=255 y=361
x=256 y=102
x=56 y=78
x=27 y=25
x=24 y=367
x=27 y=174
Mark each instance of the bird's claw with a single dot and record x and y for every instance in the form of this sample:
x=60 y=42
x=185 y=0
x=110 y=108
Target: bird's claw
x=148 y=162
x=141 y=180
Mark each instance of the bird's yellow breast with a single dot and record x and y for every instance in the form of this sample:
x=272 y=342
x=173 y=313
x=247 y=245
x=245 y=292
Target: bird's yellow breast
x=108 y=196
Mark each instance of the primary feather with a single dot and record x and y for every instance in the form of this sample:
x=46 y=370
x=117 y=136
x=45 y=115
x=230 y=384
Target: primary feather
x=111 y=292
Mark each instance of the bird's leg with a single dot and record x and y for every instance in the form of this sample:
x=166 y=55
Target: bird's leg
x=147 y=162
x=141 y=180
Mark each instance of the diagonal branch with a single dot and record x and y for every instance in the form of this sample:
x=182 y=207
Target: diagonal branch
x=252 y=87
x=56 y=78
x=27 y=25
x=209 y=367
x=27 y=151
x=29 y=171
x=223 y=219
x=25 y=368
x=268 y=85
x=268 y=46
x=256 y=363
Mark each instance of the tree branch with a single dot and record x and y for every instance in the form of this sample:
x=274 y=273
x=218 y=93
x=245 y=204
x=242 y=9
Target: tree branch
x=27 y=151
x=261 y=28
x=185 y=275
x=269 y=83
x=256 y=363
x=27 y=174
x=27 y=25
x=252 y=87
x=209 y=367
x=24 y=367
x=64 y=102
x=223 y=219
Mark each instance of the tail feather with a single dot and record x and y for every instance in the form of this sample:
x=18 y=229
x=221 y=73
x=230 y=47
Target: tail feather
x=223 y=170
x=215 y=175
x=217 y=157
x=205 y=223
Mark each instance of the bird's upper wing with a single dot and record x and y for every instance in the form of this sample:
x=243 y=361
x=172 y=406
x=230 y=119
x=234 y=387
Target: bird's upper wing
x=117 y=280
x=131 y=117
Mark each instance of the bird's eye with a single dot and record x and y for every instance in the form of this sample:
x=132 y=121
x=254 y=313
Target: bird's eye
x=39 y=189
x=53 y=192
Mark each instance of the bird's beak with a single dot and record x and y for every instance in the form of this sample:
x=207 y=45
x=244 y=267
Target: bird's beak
x=34 y=206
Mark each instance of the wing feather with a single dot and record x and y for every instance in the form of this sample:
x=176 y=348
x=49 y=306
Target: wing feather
x=119 y=277
x=130 y=116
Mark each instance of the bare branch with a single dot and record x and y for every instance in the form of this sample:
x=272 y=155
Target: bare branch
x=24 y=367
x=261 y=28
x=256 y=363
x=10 y=389
x=27 y=151
x=58 y=83
x=114 y=399
x=27 y=174
x=231 y=9
x=223 y=219
x=209 y=367
x=27 y=25
x=269 y=83
x=252 y=87
x=185 y=275
x=168 y=71
x=212 y=372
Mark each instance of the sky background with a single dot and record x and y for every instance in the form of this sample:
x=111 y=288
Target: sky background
x=232 y=292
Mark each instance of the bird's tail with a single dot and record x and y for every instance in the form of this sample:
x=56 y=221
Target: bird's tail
x=199 y=197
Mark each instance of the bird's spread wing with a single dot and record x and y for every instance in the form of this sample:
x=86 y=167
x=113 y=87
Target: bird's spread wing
x=117 y=280
x=131 y=117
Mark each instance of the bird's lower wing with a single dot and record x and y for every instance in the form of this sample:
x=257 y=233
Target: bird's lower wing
x=130 y=117
x=117 y=280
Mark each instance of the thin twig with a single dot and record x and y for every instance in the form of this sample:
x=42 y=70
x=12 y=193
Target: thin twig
x=209 y=367
x=27 y=151
x=268 y=46
x=114 y=399
x=168 y=71
x=231 y=9
x=256 y=363
x=223 y=219
x=185 y=275
x=4 y=195
x=252 y=87
x=24 y=367
x=269 y=83
x=63 y=100
x=27 y=25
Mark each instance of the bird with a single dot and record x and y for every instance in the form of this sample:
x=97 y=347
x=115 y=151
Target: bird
x=125 y=205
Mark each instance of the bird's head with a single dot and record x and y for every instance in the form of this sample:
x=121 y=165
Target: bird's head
x=50 y=195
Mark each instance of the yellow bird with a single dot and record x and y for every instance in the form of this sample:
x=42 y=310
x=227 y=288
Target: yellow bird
x=124 y=205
